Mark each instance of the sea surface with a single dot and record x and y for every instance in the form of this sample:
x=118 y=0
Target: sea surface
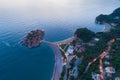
x=59 y=19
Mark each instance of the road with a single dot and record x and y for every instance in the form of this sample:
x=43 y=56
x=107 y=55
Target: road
x=101 y=56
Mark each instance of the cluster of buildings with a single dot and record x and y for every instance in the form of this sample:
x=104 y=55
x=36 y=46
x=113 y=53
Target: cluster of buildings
x=109 y=72
x=74 y=71
x=77 y=48
x=70 y=53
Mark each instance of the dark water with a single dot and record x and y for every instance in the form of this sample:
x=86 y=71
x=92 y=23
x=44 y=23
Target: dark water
x=59 y=18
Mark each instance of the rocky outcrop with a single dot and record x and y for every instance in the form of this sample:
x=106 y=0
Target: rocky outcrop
x=33 y=38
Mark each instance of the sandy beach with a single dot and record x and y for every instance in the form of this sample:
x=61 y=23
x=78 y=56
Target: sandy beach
x=68 y=40
x=58 y=56
x=58 y=60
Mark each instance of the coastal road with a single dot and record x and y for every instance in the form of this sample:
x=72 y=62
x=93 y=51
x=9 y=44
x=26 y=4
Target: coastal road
x=101 y=56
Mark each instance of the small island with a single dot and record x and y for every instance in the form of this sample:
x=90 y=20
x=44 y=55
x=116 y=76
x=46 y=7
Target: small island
x=33 y=38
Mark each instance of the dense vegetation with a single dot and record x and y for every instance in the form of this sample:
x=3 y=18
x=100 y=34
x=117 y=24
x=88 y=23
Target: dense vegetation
x=84 y=34
x=90 y=53
x=93 y=51
x=116 y=56
x=111 y=18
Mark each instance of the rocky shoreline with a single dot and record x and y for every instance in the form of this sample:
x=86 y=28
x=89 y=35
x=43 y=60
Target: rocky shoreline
x=33 y=38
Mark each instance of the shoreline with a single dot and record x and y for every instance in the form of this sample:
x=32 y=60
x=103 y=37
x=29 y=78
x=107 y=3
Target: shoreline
x=107 y=27
x=65 y=41
x=58 y=65
x=58 y=60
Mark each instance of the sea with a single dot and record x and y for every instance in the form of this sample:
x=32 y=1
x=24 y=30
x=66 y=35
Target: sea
x=59 y=19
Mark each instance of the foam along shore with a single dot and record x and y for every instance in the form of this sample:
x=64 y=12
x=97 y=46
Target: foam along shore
x=58 y=56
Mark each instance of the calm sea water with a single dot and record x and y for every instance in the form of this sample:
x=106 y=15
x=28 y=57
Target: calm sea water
x=59 y=18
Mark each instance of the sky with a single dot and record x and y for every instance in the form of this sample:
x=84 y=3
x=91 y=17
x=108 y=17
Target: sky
x=12 y=4
x=57 y=9
x=32 y=5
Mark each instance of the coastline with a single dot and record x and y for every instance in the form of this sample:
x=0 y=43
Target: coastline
x=58 y=60
x=107 y=27
x=58 y=65
x=65 y=41
x=58 y=56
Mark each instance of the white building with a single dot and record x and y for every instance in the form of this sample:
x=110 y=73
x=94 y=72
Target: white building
x=96 y=39
x=107 y=56
x=97 y=76
x=110 y=70
x=70 y=50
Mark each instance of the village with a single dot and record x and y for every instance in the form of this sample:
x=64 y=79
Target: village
x=70 y=71
x=93 y=54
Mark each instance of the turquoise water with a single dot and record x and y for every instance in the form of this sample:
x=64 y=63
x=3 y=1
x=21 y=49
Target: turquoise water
x=59 y=18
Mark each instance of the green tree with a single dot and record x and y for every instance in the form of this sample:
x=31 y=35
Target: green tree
x=84 y=34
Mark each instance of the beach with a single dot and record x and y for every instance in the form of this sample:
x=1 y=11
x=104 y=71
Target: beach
x=58 y=60
x=58 y=56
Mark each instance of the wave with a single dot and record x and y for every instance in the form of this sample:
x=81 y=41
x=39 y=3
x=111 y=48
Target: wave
x=7 y=44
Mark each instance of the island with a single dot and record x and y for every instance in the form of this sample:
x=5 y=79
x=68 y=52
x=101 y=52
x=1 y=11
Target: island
x=86 y=55
x=33 y=38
